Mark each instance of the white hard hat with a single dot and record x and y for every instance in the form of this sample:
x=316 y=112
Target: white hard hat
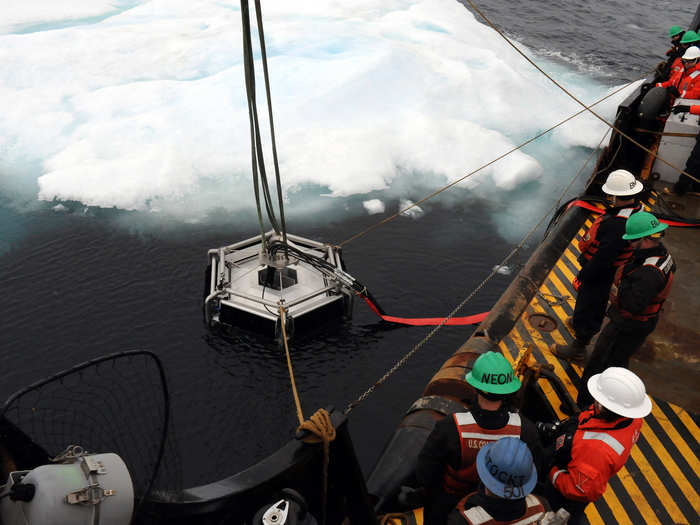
x=691 y=53
x=620 y=391
x=622 y=183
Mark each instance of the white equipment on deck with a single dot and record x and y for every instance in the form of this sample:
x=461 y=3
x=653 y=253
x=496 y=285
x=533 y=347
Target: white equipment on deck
x=83 y=489
x=248 y=283
x=682 y=128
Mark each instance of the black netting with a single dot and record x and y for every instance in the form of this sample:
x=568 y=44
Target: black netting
x=117 y=403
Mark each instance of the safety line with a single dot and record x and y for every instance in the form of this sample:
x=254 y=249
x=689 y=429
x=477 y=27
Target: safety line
x=595 y=209
x=587 y=108
x=426 y=321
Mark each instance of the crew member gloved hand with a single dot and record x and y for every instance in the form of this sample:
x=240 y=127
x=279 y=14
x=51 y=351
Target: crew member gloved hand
x=682 y=108
x=547 y=430
x=674 y=91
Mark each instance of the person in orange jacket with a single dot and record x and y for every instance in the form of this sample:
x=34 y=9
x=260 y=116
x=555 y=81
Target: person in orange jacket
x=685 y=83
x=590 y=448
x=673 y=63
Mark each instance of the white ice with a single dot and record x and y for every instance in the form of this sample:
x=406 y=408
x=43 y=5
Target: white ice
x=140 y=105
x=374 y=206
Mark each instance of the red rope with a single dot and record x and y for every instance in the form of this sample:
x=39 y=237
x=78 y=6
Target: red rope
x=595 y=209
x=427 y=321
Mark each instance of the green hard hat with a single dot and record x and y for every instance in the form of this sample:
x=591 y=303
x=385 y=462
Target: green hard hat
x=689 y=37
x=642 y=224
x=492 y=373
x=675 y=30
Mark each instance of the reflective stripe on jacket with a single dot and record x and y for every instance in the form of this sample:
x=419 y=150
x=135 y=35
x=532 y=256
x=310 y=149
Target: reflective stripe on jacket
x=599 y=450
x=589 y=243
x=478 y=515
x=689 y=86
x=666 y=267
x=472 y=438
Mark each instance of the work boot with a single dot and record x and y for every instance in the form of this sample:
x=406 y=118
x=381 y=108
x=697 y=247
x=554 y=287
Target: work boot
x=575 y=352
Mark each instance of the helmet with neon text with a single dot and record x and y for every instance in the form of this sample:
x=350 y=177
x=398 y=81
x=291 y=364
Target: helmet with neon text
x=493 y=373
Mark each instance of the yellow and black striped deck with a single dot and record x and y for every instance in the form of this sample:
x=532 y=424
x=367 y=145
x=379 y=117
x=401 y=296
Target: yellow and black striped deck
x=660 y=482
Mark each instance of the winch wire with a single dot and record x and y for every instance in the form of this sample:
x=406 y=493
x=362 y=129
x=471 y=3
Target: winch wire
x=483 y=283
x=586 y=108
x=447 y=187
x=263 y=50
x=257 y=155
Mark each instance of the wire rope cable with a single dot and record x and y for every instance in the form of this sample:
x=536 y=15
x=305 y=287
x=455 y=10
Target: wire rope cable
x=464 y=177
x=260 y=180
x=483 y=283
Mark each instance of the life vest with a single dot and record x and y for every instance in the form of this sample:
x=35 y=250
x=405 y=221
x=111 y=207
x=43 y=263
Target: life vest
x=478 y=515
x=472 y=438
x=663 y=264
x=589 y=243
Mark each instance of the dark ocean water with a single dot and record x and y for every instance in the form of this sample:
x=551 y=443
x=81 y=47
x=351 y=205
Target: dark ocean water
x=79 y=285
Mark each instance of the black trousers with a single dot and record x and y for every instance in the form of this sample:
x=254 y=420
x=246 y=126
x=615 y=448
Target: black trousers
x=589 y=311
x=556 y=501
x=614 y=347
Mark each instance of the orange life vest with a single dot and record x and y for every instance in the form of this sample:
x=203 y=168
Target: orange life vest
x=589 y=243
x=663 y=264
x=472 y=438
x=478 y=515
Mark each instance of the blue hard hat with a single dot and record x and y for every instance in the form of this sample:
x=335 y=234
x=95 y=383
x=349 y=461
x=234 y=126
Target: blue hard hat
x=506 y=468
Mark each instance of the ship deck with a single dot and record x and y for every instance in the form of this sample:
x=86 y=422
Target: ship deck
x=659 y=483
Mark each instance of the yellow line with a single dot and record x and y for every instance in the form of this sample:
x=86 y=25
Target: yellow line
x=562 y=291
x=506 y=351
x=657 y=486
x=638 y=499
x=572 y=257
x=594 y=517
x=553 y=360
x=556 y=334
x=687 y=421
x=666 y=459
x=565 y=270
x=546 y=387
x=681 y=445
x=616 y=507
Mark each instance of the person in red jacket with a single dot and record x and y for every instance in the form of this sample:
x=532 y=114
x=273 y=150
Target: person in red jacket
x=684 y=83
x=592 y=447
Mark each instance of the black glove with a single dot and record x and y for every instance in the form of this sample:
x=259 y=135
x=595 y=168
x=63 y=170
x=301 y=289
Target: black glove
x=674 y=91
x=660 y=68
x=680 y=109
x=547 y=431
x=562 y=450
